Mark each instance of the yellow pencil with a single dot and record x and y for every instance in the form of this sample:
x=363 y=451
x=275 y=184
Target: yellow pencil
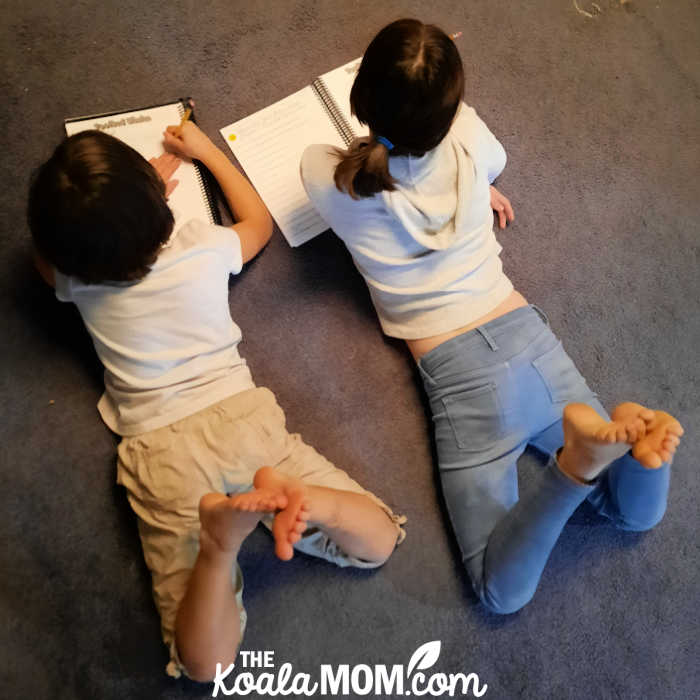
x=185 y=116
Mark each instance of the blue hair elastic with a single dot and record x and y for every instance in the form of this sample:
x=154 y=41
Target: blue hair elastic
x=384 y=141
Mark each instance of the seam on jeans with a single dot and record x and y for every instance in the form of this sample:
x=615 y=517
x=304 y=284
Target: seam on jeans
x=542 y=364
x=455 y=398
x=487 y=337
x=423 y=373
x=541 y=314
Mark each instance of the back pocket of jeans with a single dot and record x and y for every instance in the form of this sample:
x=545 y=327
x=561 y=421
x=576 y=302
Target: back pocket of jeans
x=475 y=417
x=559 y=374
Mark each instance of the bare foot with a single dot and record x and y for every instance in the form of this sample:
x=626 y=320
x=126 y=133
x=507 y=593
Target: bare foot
x=291 y=520
x=591 y=442
x=660 y=441
x=227 y=520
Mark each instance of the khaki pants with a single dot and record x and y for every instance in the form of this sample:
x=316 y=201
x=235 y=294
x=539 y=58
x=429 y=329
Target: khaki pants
x=219 y=449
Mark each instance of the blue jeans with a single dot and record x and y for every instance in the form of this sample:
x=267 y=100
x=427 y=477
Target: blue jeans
x=493 y=391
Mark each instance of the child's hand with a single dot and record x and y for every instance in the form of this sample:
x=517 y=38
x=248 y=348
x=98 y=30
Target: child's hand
x=501 y=205
x=165 y=165
x=187 y=140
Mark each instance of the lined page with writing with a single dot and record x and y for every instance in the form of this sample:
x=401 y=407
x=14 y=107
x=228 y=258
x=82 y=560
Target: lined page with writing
x=143 y=131
x=269 y=145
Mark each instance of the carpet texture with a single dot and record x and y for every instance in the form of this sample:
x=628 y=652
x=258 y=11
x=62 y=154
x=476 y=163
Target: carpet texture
x=598 y=107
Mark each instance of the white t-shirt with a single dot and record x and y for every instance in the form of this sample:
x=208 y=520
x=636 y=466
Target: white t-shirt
x=427 y=250
x=167 y=342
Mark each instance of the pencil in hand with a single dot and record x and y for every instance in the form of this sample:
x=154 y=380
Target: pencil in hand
x=185 y=117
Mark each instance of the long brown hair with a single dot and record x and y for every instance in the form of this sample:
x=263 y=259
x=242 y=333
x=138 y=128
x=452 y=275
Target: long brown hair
x=407 y=90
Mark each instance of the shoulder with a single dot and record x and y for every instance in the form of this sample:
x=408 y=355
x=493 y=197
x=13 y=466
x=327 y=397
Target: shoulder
x=318 y=164
x=198 y=232
x=468 y=126
x=477 y=140
x=200 y=236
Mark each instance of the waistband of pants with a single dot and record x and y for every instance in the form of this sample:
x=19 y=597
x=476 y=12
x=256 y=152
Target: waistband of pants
x=530 y=317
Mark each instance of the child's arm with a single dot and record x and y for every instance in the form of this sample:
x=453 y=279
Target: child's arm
x=254 y=224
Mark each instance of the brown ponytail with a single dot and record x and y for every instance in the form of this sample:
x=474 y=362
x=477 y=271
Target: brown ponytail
x=363 y=169
x=408 y=89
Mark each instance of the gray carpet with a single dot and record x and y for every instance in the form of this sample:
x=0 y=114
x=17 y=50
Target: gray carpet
x=599 y=115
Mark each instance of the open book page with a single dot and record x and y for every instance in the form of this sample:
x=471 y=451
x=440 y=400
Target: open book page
x=339 y=83
x=143 y=130
x=269 y=145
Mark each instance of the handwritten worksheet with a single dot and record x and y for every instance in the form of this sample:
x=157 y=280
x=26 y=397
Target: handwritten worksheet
x=269 y=145
x=143 y=130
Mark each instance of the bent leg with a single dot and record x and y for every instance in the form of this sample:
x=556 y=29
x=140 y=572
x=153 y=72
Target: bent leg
x=347 y=524
x=629 y=494
x=506 y=544
x=166 y=473
x=491 y=391
x=520 y=544
x=505 y=541
x=487 y=398
x=634 y=490
x=346 y=527
x=208 y=627
x=164 y=492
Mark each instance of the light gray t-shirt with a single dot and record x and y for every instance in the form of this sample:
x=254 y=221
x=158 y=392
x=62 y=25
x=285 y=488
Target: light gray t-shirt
x=167 y=342
x=427 y=250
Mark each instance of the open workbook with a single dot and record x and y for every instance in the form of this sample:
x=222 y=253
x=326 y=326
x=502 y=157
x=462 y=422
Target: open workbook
x=142 y=129
x=268 y=144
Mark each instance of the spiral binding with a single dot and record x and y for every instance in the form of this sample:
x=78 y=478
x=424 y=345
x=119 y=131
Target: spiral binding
x=204 y=184
x=337 y=117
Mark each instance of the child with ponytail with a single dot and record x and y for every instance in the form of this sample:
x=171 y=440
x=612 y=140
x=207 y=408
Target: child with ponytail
x=414 y=203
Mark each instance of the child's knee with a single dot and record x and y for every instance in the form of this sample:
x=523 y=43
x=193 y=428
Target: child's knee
x=506 y=602
x=203 y=667
x=646 y=522
x=505 y=606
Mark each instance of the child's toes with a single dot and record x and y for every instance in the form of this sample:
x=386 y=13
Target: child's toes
x=616 y=433
x=608 y=433
x=653 y=460
x=623 y=433
x=668 y=449
x=646 y=414
x=240 y=502
x=648 y=458
x=638 y=430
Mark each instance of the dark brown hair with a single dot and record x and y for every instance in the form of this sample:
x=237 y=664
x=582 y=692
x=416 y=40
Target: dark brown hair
x=408 y=89
x=97 y=210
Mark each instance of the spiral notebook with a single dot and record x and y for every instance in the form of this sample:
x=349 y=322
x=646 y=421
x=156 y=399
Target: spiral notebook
x=268 y=144
x=142 y=129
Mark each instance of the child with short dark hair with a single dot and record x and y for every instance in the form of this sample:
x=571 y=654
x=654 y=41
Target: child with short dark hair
x=204 y=454
x=414 y=203
x=92 y=184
